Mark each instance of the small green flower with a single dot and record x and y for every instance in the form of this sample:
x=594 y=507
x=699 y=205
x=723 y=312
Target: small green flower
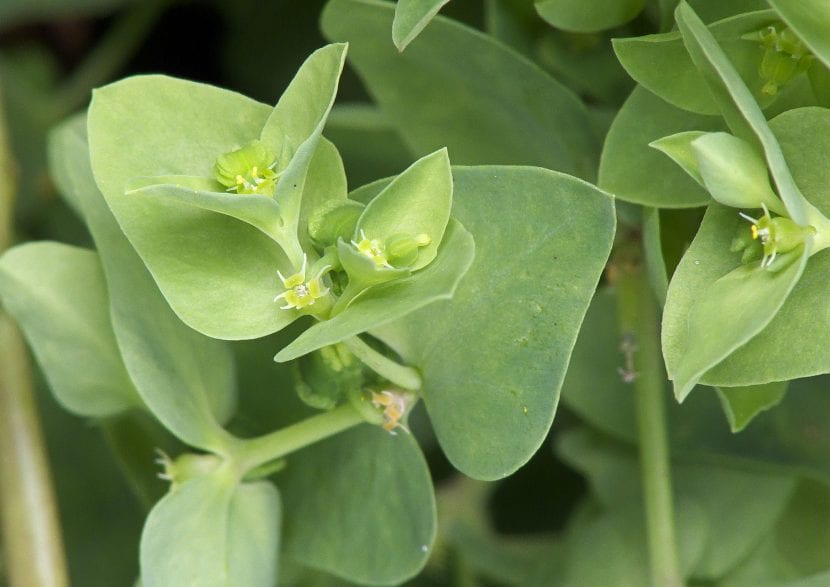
x=300 y=293
x=785 y=56
x=372 y=249
x=777 y=235
x=399 y=250
x=248 y=170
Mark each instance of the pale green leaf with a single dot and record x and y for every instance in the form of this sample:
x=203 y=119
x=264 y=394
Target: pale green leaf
x=58 y=296
x=741 y=302
x=742 y=404
x=734 y=173
x=212 y=533
x=185 y=379
x=738 y=105
x=663 y=66
x=679 y=148
x=782 y=351
x=360 y=506
x=542 y=239
x=296 y=125
x=634 y=171
x=416 y=202
x=411 y=17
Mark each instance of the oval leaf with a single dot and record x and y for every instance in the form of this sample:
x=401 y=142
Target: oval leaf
x=542 y=239
x=741 y=301
x=634 y=171
x=360 y=506
x=58 y=296
x=648 y=58
x=213 y=533
x=185 y=378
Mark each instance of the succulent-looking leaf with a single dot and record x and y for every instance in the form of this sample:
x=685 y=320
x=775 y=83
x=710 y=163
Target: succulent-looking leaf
x=742 y=404
x=58 y=296
x=662 y=65
x=741 y=301
x=417 y=202
x=411 y=17
x=542 y=239
x=361 y=506
x=633 y=171
x=738 y=106
x=214 y=533
x=184 y=378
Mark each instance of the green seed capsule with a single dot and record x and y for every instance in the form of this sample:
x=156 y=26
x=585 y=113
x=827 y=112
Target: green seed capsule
x=248 y=170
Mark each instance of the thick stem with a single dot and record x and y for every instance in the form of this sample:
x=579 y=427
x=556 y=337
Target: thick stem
x=258 y=451
x=28 y=511
x=401 y=375
x=638 y=324
x=108 y=56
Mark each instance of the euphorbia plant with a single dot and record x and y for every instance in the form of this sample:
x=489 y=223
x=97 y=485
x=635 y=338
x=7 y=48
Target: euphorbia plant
x=293 y=346
x=231 y=222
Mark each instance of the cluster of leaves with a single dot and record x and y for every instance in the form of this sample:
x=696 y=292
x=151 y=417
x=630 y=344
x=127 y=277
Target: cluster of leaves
x=218 y=219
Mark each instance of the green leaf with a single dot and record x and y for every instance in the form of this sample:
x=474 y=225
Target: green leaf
x=491 y=107
x=185 y=379
x=418 y=201
x=734 y=173
x=211 y=532
x=808 y=18
x=782 y=351
x=679 y=148
x=411 y=17
x=296 y=125
x=742 y=404
x=542 y=239
x=582 y=17
x=206 y=244
x=738 y=106
x=58 y=296
x=635 y=172
x=391 y=300
x=648 y=59
x=360 y=506
x=741 y=302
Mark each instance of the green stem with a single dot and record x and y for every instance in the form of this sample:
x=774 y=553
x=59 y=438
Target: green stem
x=28 y=509
x=401 y=375
x=256 y=452
x=108 y=56
x=638 y=324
